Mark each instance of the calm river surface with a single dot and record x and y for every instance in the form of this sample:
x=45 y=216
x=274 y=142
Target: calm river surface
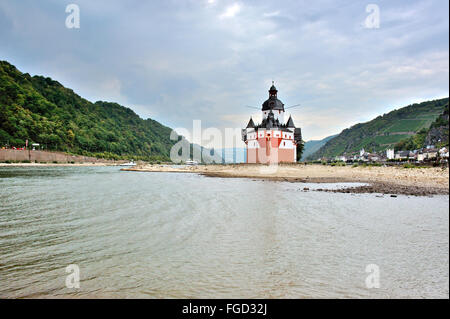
x=171 y=235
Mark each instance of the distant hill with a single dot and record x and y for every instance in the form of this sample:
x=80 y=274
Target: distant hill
x=384 y=131
x=314 y=145
x=43 y=111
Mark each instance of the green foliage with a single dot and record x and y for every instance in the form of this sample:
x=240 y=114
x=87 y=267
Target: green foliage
x=385 y=131
x=414 y=142
x=408 y=125
x=419 y=140
x=337 y=163
x=43 y=111
x=409 y=165
x=300 y=149
x=389 y=139
x=442 y=120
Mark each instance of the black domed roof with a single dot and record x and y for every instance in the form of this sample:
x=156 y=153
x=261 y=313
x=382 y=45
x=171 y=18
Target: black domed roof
x=272 y=103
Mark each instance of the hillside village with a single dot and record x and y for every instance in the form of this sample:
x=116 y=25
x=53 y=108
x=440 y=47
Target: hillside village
x=429 y=154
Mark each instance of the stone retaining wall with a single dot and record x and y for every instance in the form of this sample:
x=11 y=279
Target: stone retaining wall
x=48 y=157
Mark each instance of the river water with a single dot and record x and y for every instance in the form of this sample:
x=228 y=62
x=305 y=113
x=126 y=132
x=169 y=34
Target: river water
x=175 y=235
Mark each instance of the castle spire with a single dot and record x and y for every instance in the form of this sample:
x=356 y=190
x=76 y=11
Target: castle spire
x=290 y=122
x=250 y=124
x=273 y=90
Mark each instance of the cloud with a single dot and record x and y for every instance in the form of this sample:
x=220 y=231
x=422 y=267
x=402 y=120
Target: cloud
x=231 y=11
x=272 y=14
x=177 y=61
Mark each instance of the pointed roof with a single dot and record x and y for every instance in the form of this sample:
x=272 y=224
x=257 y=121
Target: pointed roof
x=250 y=124
x=273 y=88
x=290 y=122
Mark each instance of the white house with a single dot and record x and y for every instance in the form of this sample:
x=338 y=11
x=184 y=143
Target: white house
x=421 y=156
x=362 y=152
x=443 y=152
x=390 y=154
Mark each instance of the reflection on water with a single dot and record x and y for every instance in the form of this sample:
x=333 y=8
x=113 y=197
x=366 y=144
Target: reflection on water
x=169 y=235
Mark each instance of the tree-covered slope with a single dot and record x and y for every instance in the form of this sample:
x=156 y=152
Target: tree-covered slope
x=436 y=134
x=384 y=131
x=43 y=111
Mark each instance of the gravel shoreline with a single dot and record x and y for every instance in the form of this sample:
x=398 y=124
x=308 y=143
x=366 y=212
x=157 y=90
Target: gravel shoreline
x=391 y=189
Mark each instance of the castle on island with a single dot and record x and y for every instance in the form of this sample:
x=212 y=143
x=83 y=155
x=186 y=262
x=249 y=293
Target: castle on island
x=274 y=140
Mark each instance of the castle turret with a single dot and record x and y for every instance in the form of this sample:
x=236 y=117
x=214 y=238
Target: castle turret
x=273 y=104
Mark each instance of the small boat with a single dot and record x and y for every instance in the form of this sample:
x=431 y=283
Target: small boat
x=131 y=163
x=190 y=162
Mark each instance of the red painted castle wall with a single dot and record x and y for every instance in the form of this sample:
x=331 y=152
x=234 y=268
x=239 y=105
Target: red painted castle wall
x=270 y=153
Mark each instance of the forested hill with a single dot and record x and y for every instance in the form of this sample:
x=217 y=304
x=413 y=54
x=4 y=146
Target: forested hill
x=384 y=131
x=43 y=111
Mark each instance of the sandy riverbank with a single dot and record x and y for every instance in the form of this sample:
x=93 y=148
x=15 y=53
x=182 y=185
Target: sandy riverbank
x=387 y=180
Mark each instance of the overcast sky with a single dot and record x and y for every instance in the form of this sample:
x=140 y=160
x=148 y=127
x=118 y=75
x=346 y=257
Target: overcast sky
x=176 y=61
